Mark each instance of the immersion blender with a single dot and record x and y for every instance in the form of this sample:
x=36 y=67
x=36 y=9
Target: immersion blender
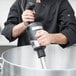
x=31 y=31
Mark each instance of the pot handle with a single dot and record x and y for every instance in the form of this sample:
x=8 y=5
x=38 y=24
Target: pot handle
x=1 y=63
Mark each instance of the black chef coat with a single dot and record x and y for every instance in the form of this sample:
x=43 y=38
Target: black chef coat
x=57 y=16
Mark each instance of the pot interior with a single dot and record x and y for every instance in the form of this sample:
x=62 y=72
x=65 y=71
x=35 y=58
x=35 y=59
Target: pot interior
x=56 y=57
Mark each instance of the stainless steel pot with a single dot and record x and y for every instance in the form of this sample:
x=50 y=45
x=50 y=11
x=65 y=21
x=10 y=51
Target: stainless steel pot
x=23 y=61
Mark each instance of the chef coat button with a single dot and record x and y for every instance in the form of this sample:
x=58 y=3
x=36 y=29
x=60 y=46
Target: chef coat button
x=68 y=15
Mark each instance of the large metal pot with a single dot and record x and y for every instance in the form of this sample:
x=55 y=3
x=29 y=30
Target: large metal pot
x=23 y=61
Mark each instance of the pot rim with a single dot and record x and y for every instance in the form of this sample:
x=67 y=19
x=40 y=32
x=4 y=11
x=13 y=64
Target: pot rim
x=26 y=67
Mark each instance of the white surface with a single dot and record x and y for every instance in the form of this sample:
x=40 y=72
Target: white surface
x=4 y=9
x=5 y=42
x=73 y=3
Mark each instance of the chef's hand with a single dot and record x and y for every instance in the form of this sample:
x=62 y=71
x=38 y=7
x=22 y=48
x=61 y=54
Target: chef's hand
x=43 y=37
x=28 y=16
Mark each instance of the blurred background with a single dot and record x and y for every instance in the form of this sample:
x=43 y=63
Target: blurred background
x=4 y=9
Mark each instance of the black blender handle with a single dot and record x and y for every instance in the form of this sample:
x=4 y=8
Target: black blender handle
x=30 y=5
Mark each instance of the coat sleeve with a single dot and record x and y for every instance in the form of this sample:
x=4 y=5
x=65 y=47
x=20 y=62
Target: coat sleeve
x=67 y=22
x=12 y=20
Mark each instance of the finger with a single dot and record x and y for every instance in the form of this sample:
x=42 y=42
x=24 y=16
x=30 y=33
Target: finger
x=28 y=13
x=40 y=33
x=41 y=38
x=28 y=20
x=28 y=17
x=42 y=43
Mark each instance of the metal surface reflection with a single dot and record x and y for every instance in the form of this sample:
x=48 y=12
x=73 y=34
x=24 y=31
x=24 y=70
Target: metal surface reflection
x=23 y=61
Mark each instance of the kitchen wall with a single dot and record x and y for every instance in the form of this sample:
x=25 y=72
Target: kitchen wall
x=4 y=8
x=73 y=3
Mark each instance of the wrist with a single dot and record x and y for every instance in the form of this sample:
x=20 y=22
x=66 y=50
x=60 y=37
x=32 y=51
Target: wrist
x=25 y=23
x=52 y=39
x=58 y=39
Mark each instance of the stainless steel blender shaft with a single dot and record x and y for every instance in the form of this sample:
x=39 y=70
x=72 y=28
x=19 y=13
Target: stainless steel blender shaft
x=43 y=62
